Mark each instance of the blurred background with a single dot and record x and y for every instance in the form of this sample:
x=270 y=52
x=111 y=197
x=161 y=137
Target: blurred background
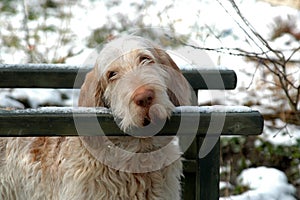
x=259 y=39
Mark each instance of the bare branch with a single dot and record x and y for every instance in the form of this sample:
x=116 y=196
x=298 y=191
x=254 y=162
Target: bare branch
x=252 y=78
x=278 y=54
x=272 y=83
x=241 y=27
x=292 y=54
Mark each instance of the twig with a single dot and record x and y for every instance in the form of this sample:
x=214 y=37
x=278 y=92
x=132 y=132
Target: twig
x=292 y=54
x=257 y=35
x=252 y=78
x=30 y=47
x=280 y=129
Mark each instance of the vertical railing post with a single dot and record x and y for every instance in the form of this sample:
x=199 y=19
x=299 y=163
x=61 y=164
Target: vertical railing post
x=209 y=172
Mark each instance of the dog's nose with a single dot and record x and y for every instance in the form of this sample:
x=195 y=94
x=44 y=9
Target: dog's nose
x=143 y=97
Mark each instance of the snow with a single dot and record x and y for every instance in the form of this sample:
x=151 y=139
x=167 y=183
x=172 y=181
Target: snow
x=62 y=110
x=265 y=184
x=225 y=185
x=6 y=101
x=284 y=134
x=99 y=110
x=180 y=109
x=38 y=97
x=74 y=110
x=215 y=108
x=39 y=67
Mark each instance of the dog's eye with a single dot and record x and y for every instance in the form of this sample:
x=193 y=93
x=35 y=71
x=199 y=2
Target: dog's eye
x=144 y=59
x=111 y=75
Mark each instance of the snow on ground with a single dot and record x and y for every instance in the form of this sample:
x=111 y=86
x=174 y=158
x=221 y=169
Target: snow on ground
x=287 y=135
x=33 y=98
x=265 y=184
x=7 y=101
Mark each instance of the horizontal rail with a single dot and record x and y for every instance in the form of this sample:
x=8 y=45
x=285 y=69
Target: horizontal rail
x=184 y=121
x=71 y=76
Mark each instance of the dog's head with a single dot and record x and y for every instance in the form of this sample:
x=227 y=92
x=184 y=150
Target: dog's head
x=137 y=80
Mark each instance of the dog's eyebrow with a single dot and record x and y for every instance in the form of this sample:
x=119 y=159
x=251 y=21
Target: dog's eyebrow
x=145 y=54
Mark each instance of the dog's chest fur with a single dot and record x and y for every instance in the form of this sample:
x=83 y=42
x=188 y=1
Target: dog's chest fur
x=62 y=168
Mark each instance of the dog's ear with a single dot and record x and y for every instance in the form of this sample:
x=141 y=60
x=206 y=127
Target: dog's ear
x=165 y=59
x=179 y=90
x=173 y=98
x=98 y=95
x=91 y=91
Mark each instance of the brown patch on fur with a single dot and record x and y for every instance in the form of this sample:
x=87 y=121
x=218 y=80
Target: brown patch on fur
x=173 y=98
x=45 y=150
x=36 y=149
x=88 y=90
x=165 y=59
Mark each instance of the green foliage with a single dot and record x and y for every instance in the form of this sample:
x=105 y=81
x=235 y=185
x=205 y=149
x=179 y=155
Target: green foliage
x=41 y=32
x=11 y=41
x=285 y=158
x=8 y=7
x=239 y=189
x=50 y=4
x=244 y=152
x=99 y=36
x=234 y=144
x=48 y=28
x=32 y=15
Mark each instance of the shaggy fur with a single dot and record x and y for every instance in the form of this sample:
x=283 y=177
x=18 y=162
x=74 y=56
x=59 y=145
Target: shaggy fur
x=141 y=84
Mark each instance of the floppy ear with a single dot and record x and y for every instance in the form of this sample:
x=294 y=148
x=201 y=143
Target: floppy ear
x=98 y=95
x=173 y=98
x=91 y=91
x=179 y=90
x=165 y=59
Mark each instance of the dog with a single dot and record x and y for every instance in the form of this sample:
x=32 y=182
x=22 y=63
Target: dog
x=141 y=85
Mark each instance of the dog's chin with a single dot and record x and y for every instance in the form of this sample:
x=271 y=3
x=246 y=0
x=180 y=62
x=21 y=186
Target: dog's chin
x=146 y=123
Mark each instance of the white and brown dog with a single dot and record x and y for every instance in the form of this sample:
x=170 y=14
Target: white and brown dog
x=141 y=85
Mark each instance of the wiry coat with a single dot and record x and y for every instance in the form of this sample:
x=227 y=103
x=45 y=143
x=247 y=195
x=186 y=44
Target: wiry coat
x=141 y=84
